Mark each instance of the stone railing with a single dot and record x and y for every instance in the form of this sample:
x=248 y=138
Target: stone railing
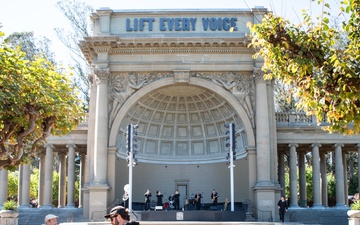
x=297 y=119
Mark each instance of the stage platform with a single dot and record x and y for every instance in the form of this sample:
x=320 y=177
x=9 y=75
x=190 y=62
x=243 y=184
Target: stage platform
x=189 y=223
x=197 y=215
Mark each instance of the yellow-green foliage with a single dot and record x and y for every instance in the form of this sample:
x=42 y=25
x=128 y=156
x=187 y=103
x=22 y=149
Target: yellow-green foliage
x=37 y=99
x=355 y=205
x=10 y=205
x=320 y=61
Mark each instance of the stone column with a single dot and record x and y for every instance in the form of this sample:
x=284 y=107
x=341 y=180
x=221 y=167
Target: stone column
x=339 y=176
x=324 y=192
x=62 y=180
x=316 y=175
x=281 y=171
x=302 y=179
x=89 y=175
x=346 y=186
x=25 y=190
x=101 y=128
x=293 y=176
x=3 y=186
x=262 y=132
x=41 y=180
x=82 y=177
x=20 y=184
x=48 y=176
x=71 y=176
x=273 y=135
x=98 y=189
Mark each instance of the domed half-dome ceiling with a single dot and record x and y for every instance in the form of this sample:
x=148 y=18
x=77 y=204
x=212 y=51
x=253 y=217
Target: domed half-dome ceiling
x=181 y=124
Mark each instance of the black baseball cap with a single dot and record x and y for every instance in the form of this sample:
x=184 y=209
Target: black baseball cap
x=117 y=210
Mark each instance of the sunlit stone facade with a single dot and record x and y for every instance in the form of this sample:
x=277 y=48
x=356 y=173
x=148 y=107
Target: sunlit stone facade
x=180 y=75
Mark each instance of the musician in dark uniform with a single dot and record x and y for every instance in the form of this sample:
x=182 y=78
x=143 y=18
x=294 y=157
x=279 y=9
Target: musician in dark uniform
x=198 y=198
x=125 y=199
x=176 y=197
x=214 y=197
x=159 y=197
x=147 y=199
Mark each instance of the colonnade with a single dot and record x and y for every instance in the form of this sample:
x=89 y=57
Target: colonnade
x=66 y=169
x=296 y=162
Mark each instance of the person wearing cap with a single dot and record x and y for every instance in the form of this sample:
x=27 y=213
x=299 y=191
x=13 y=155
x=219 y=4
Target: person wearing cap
x=118 y=215
x=51 y=219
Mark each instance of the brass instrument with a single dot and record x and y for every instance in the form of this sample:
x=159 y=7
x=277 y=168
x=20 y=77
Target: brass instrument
x=125 y=196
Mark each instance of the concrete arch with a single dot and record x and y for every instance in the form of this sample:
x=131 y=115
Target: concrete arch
x=193 y=81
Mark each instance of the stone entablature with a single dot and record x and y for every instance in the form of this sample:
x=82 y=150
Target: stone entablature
x=175 y=23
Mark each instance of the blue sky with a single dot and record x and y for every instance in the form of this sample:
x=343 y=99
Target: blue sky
x=42 y=16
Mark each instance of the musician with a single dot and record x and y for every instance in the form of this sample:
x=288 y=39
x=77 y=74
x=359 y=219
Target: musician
x=147 y=199
x=198 y=198
x=214 y=197
x=159 y=197
x=176 y=197
x=171 y=202
x=125 y=199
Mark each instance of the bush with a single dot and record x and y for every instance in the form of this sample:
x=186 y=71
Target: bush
x=355 y=205
x=10 y=205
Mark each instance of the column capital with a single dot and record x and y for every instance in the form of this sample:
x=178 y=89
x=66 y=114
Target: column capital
x=258 y=75
x=102 y=75
x=71 y=146
x=313 y=145
x=338 y=145
x=293 y=145
x=92 y=79
x=48 y=145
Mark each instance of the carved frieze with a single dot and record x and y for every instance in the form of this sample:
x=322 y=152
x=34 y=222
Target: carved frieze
x=240 y=85
x=123 y=85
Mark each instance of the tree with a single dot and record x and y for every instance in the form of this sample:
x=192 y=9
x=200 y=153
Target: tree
x=31 y=45
x=35 y=101
x=325 y=73
x=285 y=99
x=78 y=14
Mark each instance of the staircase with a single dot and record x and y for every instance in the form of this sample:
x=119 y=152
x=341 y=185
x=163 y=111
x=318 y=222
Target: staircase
x=250 y=217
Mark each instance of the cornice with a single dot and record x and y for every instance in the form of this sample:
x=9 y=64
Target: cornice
x=91 y=46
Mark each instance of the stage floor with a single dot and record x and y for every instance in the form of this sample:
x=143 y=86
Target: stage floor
x=197 y=215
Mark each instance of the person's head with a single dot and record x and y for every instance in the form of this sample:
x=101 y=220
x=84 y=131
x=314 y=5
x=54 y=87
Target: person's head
x=118 y=215
x=283 y=198
x=51 y=219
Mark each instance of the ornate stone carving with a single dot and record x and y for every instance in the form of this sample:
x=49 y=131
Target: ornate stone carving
x=258 y=75
x=123 y=85
x=240 y=85
x=102 y=75
x=182 y=76
x=91 y=78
